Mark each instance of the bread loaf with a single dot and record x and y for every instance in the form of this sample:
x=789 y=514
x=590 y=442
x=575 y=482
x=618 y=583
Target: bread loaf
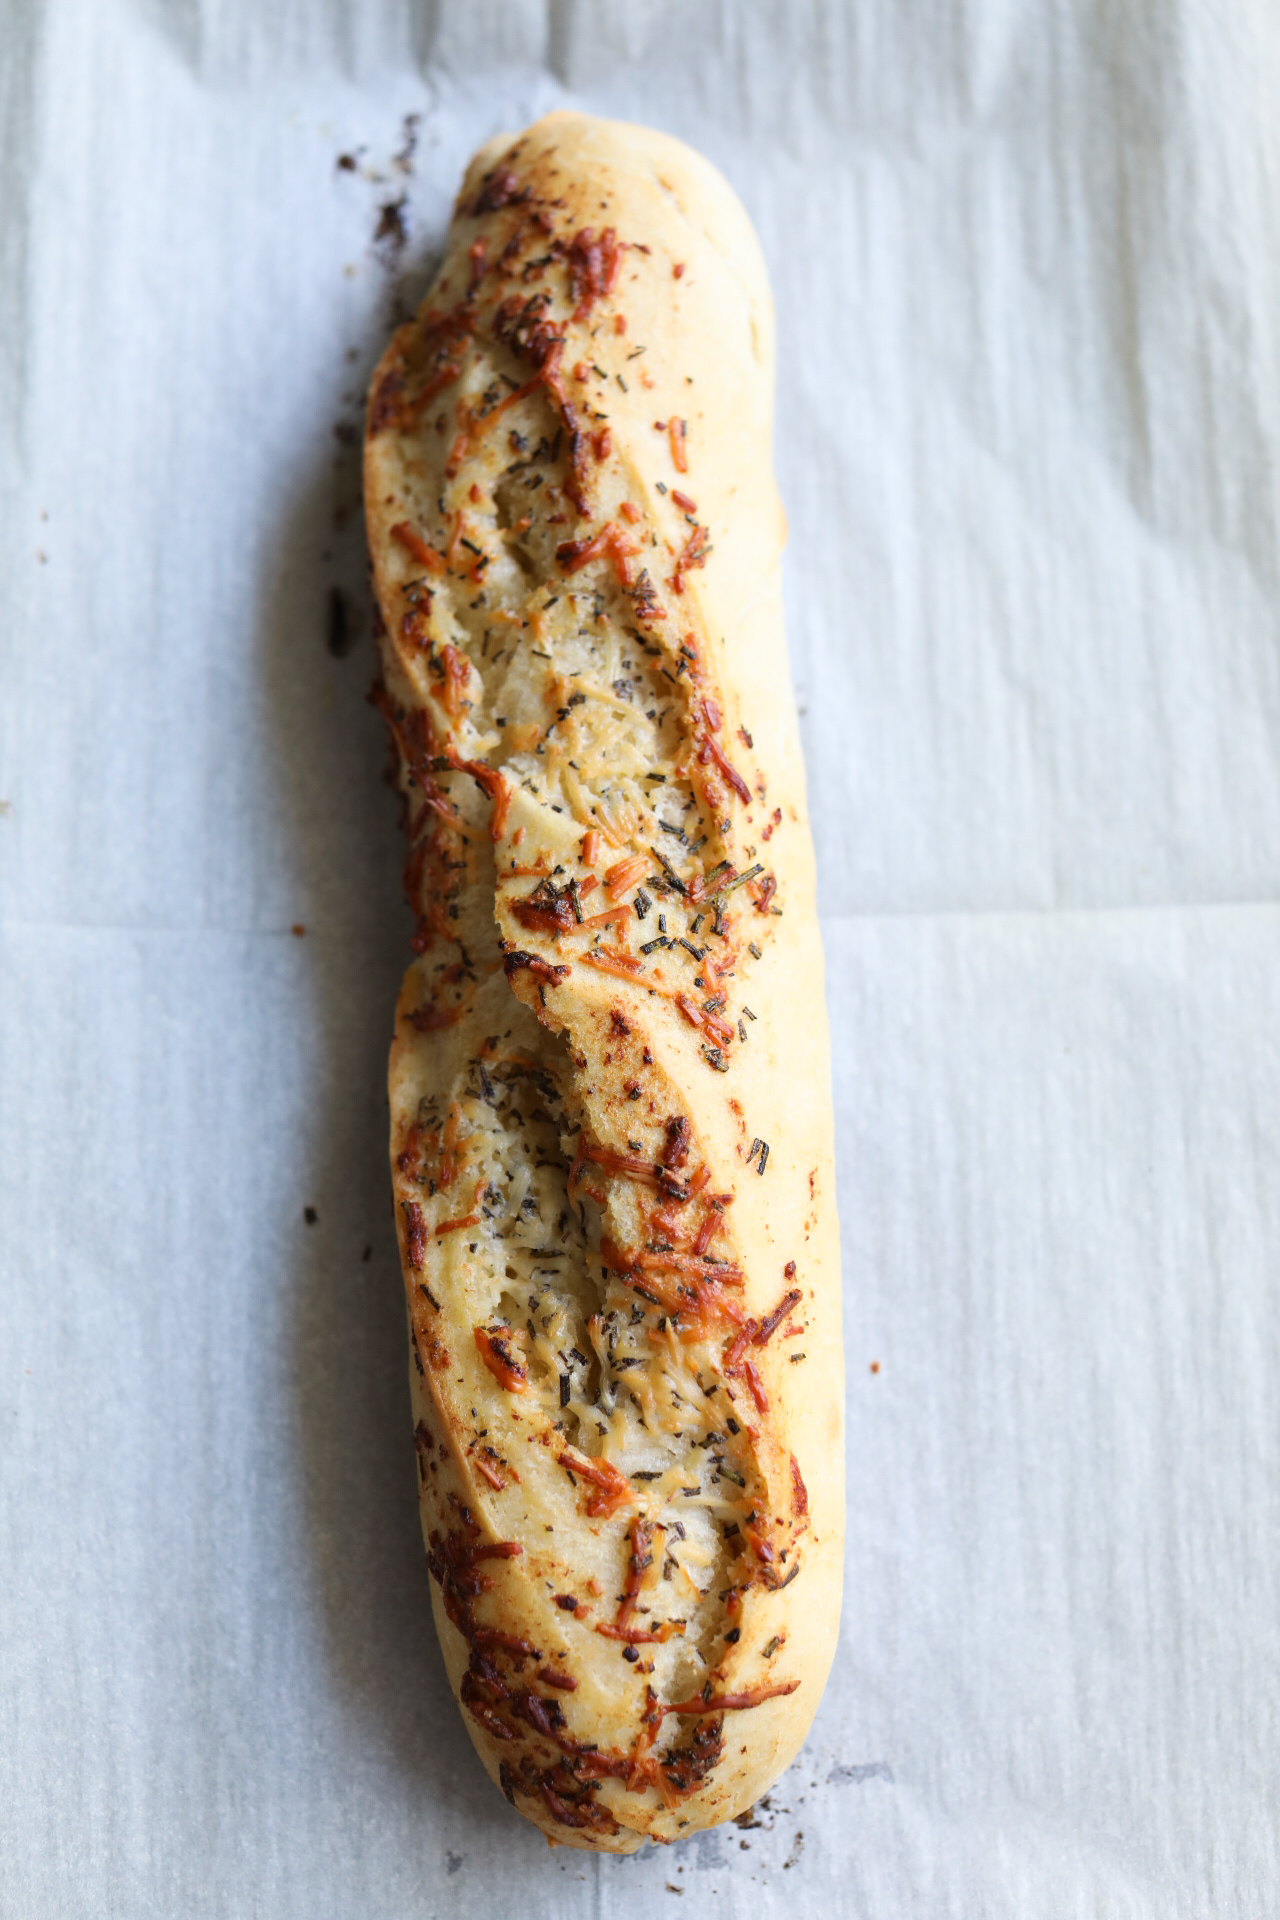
x=610 y=1104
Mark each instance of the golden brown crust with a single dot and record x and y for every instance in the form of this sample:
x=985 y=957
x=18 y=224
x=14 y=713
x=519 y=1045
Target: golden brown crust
x=611 y=1125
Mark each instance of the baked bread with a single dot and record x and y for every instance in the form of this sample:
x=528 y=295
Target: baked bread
x=610 y=1101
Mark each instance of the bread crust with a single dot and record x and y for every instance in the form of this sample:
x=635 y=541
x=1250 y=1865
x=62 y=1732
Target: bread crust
x=611 y=1117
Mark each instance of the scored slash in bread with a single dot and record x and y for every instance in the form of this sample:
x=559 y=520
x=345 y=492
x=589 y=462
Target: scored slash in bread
x=610 y=1099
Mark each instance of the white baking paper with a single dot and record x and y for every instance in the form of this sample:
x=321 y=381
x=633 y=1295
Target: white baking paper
x=1027 y=265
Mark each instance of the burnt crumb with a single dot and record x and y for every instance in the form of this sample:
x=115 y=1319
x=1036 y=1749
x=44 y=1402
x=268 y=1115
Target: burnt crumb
x=347 y=162
x=310 y=1215
x=339 y=627
x=402 y=160
x=392 y=231
x=630 y=1654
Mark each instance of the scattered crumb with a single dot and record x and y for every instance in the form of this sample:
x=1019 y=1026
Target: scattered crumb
x=392 y=232
x=403 y=160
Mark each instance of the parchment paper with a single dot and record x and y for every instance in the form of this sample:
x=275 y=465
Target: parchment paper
x=1026 y=262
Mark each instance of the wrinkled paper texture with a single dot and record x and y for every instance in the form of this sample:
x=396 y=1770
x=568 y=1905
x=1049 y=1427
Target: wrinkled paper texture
x=1026 y=258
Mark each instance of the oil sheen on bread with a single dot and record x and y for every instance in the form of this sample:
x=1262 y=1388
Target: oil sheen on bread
x=610 y=1084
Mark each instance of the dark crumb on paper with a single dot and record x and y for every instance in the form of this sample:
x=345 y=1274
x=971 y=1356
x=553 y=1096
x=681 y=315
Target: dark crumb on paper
x=670 y=1889
x=346 y=163
x=310 y=1215
x=297 y=930
x=391 y=232
x=338 y=633
x=403 y=163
